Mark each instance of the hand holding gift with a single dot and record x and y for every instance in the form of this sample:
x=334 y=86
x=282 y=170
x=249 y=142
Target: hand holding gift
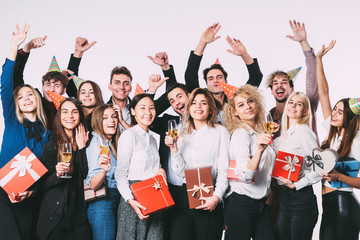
x=137 y=208
x=210 y=203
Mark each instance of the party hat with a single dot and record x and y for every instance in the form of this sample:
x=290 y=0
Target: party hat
x=57 y=99
x=293 y=73
x=217 y=61
x=354 y=104
x=78 y=81
x=54 y=66
x=138 y=90
x=228 y=89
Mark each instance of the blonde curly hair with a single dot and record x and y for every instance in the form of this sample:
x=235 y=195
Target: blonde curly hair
x=233 y=122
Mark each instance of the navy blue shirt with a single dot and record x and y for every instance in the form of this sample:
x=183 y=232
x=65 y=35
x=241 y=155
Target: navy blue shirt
x=15 y=134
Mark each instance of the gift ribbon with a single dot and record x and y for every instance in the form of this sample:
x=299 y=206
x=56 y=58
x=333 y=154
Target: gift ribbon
x=343 y=169
x=314 y=160
x=201 y=187
x=22 y=164
x=291 y=163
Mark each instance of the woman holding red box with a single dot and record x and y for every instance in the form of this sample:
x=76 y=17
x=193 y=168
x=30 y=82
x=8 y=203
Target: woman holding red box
x=138 y=159
x=25 y=126
x=246 y=213
x=341 y=209
x=298 y=210
x=202 y=143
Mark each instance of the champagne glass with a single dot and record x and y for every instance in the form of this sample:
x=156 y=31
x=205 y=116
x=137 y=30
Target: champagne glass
x=173 y=130
x=66 y=155
x=104 y=147
x=269 y=124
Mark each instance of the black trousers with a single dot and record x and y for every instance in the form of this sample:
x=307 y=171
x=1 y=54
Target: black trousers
x=192 y=224
x=298 y=214
x=81 y=231
x=247 y=218
x=341 y=216
x=16 y=219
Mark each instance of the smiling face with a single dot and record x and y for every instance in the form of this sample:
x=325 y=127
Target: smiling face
x=178 y=98
x=215 y=76
x=337 y=115
x=120 y=86
x=110 y=122
x=245 y=108
x=281 y=88
x=87 y=96
x=199 y=108
x=69 y=116
x=52 y=86
x=26 y=100
x=295 y=108
x=144 y=112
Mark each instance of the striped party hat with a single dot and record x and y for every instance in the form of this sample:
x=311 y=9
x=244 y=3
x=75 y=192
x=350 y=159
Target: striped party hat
x=354 y=104
x=228 y=89
x=77 y=80
x=293 y=73
x=217 y=61
x=57 y=99
x=54 y=66
x=138 y=90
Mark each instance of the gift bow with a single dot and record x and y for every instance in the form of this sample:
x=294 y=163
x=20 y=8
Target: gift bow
x=202 y=187
x=344 y=170
x=22 y=164
x=314 y=160
x=291 y=163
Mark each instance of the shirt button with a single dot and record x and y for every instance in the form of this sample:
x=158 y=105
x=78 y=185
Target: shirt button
x=57 y=203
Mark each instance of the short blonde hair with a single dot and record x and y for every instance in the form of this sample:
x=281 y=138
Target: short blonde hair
x=233 y=122
x=304 y=120
x=40 y=113
x=211 y=120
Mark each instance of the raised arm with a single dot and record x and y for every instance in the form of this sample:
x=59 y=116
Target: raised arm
x=22 y=57
x=238 y=49
x=81 y=46
x=161 y=104
x=322 y=82
x=192 y=69
x=300 y=36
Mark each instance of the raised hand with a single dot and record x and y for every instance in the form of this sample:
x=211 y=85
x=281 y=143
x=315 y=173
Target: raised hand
x=81 y=137
x=210 y=34
x=298 y=30
x=161 y=59
x=324 y=49
x=34 y=43
x=155 y=82
x=81 y=46
x=238 y=48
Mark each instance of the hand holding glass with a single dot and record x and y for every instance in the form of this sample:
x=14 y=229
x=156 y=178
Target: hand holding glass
x=173 y=131
x=66 y=155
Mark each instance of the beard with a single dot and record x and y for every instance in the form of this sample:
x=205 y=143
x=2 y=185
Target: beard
x=281 y=100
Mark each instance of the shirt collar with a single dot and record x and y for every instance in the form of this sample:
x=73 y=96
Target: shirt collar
x=202 y=129
x=142 y=131
x=292 y=129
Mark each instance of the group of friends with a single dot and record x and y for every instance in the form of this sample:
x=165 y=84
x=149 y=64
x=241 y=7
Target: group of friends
x=212 y=130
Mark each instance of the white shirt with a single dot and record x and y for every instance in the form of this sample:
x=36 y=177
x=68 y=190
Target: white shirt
x=242 y=148
x=205 y=147
x=300 y=140
x=138 y=158
x=335 y=144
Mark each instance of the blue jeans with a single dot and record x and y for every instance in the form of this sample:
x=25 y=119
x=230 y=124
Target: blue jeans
x=298 y=214
x=102 y=216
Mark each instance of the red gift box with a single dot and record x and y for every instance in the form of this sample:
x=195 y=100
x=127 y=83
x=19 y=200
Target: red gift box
x=287 y=165
x=153 y=194
x=232 y=174
x=199 y=184
x=21 y=172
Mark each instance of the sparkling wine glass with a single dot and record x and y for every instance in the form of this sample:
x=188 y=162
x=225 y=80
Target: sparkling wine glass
x=66 y=155
x=173 y=130
x=104 y=147
x=269 y=124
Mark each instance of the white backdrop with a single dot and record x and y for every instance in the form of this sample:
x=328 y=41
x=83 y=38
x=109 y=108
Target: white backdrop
x=128 y=31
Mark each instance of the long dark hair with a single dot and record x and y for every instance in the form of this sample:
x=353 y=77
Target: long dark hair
x=97 y=92
x=60 y=136
x=350 y=125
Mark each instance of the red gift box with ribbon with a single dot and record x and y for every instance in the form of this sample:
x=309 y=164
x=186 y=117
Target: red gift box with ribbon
x=21 y=173
x=198 y=184
x=287 y=165
x=153 y=194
